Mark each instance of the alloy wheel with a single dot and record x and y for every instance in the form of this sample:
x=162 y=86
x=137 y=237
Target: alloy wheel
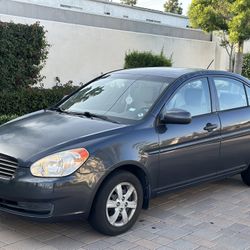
x=121 y=204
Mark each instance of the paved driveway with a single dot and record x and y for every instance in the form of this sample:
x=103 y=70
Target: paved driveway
x=215 y=215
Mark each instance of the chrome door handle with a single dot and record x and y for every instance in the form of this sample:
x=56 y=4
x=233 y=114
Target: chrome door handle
x=210 y=127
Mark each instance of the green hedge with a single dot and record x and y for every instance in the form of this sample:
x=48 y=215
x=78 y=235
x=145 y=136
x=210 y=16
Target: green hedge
x=136 y=59
x=6 y=118
x=29 y=100
x=246 y=66
x=23 y=51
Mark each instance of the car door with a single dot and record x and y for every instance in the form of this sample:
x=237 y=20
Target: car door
x=234 y=113
x=189 y=153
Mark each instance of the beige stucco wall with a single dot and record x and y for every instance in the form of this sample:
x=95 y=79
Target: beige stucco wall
x=80 y=53
x=247 y=47
x=222 y=59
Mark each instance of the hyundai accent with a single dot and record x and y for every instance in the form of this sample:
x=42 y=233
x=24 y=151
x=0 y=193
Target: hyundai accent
x=105 y=150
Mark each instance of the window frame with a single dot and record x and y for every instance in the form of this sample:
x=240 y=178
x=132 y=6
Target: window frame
x=248 y=97
x=217 y=102
x=210 y=89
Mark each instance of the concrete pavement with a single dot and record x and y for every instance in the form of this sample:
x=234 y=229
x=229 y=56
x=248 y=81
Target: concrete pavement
x=208 y=216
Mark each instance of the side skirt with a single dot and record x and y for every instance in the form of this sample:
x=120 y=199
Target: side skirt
x=194 y=182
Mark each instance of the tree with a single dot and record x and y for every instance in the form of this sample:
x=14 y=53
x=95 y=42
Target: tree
x=129 y=2
x=232 y=17
x=173 y=6
x=229 y=47
x=239 y=29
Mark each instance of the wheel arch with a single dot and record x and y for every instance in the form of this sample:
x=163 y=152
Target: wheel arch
x=139 y=172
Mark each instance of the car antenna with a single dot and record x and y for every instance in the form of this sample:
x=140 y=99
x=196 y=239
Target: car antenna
x=210 y=64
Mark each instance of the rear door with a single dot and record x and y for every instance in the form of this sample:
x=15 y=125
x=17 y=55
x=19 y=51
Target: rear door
x=234 y=113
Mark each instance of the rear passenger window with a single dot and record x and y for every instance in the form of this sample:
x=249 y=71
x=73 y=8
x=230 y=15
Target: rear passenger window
x=231 y=93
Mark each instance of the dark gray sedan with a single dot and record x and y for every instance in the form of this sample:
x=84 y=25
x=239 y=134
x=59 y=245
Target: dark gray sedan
x=121 y=139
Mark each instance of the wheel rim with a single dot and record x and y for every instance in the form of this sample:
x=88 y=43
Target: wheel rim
x=121 y=204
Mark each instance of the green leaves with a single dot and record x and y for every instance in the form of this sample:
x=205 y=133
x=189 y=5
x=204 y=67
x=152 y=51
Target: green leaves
x=27 y=100
x=129 y=2
x=6 y=118
x=239 y=25
x=136 y=59
x=246 y=66
x=23 y=52
x=209 y=15
x=232 y=16
x=173 y=6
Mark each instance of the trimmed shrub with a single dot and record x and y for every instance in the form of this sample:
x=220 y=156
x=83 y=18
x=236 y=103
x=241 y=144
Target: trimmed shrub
x=246 y=66
x=136 y=59
x=28 y=100
x=6 y=118
x=23 y=52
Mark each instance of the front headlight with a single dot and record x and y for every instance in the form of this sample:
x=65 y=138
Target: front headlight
x=60 y=164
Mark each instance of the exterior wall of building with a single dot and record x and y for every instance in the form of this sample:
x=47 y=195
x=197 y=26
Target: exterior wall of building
x=40 y=12
x=247 y=47
x=115 y=10
x=222 y=58
x=79 y=52
x=83 y=46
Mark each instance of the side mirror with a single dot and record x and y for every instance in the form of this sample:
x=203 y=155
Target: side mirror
x=176 y=116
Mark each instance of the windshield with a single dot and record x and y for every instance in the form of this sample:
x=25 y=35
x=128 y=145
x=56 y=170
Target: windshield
x=118 y=95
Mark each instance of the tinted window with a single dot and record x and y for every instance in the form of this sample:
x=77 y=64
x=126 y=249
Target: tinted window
x=121 y=96
x=231 y=93
x=193 y=97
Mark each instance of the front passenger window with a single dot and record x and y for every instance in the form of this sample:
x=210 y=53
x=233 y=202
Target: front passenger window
x=231 y=93
x=193 y=97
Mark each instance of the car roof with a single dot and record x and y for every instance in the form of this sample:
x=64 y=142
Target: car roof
x=160 y=71
x=174 y=73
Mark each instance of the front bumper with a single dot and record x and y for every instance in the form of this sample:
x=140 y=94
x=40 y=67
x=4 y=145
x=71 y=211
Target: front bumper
x=48 y=198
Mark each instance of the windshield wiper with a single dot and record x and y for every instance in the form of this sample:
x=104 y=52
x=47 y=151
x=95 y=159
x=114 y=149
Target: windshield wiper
x=93 y=115
x=59 y=109
x=86 y=114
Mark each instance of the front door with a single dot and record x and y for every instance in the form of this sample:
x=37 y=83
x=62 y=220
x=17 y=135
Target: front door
x=190 y=153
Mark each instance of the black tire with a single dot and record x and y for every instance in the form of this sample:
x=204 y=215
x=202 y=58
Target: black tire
x=99 y=219
x=245 y=176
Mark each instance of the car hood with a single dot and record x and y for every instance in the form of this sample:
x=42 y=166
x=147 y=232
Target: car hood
x=40 y=131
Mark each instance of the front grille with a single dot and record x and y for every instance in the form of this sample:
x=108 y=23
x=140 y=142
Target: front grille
x=8 y=167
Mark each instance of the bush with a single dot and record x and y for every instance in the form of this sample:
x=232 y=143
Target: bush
x=136 y=59
x=23 y=52
x=6 y=118
x=246 y=66
x=28 y=100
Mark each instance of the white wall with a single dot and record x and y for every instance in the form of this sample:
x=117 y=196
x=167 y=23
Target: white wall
x=222 y=58
x=80 y=53
x=247 y=46
x=115 y=10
